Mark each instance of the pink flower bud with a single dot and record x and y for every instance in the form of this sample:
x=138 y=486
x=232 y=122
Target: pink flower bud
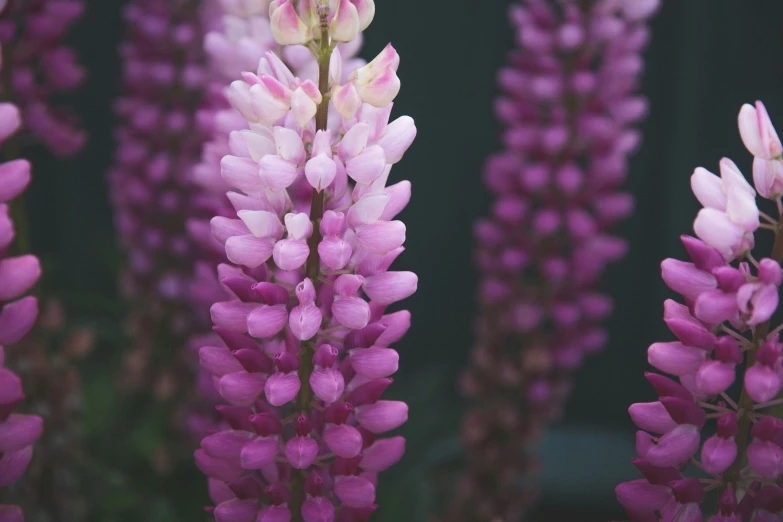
x=715 y=377
x=651 y=416
x=352 y=312
x=758 y=133
x=675 y=446
x=768 y=177
x=301 y=452
x=335 y=252
x=236 y=510
x=241 y=173
x=259 y=452
x=766 y=458
x=249 y=251
x=639 y=496
x=344 y=440
x=303 y=107
x=320 y=171
x=328 y=384
x=261 y=223
x=287 y=27
x=390 y=287
x=382 y=416
x=317 y=509
x=374 y=362
x=267 y=321
x=282 y=388
x=382 y=454
x=217 y=468
x=717 y=454
x=241 y=388
x=381 y=237
x=757 y=301
x=16 y=176
x=226 y=444
x=762 y=383
x=345 y=25
x=274 y=514
x=291 y=254
x=366 y=11
x=675 y=358
x=366 y=166
x=231 y=315
x=277 y=173
x=305 y=321
x=684 y=278
x=354 y=491
x=346 y=99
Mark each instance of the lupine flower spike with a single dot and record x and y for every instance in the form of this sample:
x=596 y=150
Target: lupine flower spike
x=40 y=66
x=153 y=192
x=239 y=37
x=569 y=111
x=18 y=313
x=725 y=340
x=306 y=357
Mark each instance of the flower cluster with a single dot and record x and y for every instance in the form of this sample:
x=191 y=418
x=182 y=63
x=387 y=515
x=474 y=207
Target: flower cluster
x=39 y=66
x=239 y=36
x=18 y=274
x=305 y=355
x=151 y=185
x=724 y=334
x=568 y=109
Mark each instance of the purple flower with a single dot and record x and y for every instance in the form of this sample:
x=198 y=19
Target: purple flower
x=41 y=66
x=569 y=111
x=303 y=325
x=724 y=326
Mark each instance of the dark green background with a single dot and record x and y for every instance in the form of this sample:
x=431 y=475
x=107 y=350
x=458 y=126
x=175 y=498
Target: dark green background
x=707 y=57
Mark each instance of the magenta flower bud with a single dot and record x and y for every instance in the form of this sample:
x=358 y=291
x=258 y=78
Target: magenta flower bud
x=666 y=387
x=641 y=496
x=354 y=491
x=352 y=312
x=267 y=321
x=390 y=287
x=382 y=454
x=397 y=325
x=317 y=509
x=241 y=388
x=675 y=358
x=19 y=431
x=766 y=458
x=344 y=440
x=281 y=388
x=762 y=383
x=305 y=321
x=325 y=356
x=16 y=319
x=686 y=279
x=328 y=384
x=757 y=301
x=236 y=510
x=335 y=252
x=301 y=452
x=226 y=444
x=231 y=315
x=368 y=393
x=769 y=499
x=675 y=446
x=382 y=416
x=274 y=514
x=684 y=411
x=704 y=257
x=374 y=362
x=652 y=416
x=715 y=377
x=18 y=275
x=715 y=306
x=16 y=177
x=220 y=469
x=717 y=454
x=770 y=272
x=259 y=452
x=266 y=424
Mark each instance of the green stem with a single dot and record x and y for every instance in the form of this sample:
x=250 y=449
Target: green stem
x=745 y=404
x=313 y=267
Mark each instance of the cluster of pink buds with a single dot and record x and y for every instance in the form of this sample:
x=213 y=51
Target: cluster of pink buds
x=39 y=66
x=724 y=335
x=305 y=357
x=18 y=274
x=152 y=188
x=569 y=111
x=240 y=34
